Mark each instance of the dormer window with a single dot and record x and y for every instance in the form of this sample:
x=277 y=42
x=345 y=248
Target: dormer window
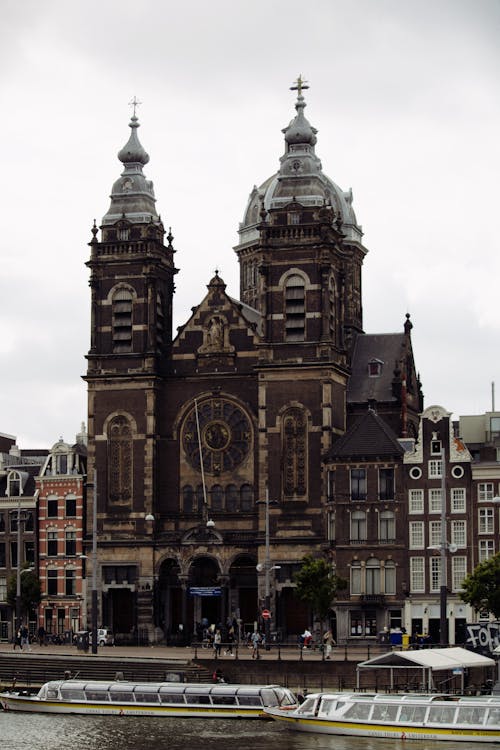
x=375 y=368
x=14 y=487
x=294 y=217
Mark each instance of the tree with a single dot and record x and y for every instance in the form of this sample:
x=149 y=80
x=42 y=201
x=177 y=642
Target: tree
x=31 y=590
x=481 y=588
x=317 y=585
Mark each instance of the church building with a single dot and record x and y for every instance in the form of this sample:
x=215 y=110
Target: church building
x=208 y=448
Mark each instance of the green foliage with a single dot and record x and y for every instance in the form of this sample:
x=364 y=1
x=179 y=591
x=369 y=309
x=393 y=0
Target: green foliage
x=481 y=588
x=31 y=591
x=317 y=585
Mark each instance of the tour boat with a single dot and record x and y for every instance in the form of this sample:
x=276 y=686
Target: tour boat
x=403 y=717
x=220 y=701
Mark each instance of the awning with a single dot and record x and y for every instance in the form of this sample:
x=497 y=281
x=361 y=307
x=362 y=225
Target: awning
x=428 y=660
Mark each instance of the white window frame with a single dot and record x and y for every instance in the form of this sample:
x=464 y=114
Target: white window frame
x=435 y=468
x=458 y=572
x=457 y=500
x=415 y=501
x=435 y=499
x=434 y=534
x=486 y=549
x=459 y=533
x=486 y=521
x=417 y=535
x=485 y=491
x=434 y=574
x=417 y=575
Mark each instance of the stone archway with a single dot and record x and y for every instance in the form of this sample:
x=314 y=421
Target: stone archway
x=206 y=596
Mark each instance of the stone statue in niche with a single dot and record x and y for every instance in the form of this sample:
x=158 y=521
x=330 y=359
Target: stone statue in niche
x=215 y=334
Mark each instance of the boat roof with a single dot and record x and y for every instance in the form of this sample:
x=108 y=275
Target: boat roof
x=187 y=687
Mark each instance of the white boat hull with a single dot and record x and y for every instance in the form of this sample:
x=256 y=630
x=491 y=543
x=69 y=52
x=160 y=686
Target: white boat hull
x=408 y=717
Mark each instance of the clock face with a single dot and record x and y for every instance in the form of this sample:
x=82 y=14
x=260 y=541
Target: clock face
x=224 y=436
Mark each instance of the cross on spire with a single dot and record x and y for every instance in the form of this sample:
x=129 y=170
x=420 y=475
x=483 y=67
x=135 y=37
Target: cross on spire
x=299 y=85
x=134 y=103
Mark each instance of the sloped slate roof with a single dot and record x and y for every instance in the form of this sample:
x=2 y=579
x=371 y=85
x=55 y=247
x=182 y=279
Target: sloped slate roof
x=368 y=436
x=387 y=348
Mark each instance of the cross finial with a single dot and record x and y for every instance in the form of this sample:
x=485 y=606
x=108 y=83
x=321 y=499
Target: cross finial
x=134 y=103
x=299 y=85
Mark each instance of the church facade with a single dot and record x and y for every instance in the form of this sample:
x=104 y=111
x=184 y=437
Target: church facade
x=208 y=449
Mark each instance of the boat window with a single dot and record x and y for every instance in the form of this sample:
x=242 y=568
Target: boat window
x=471 y=715
x=285 y=697
x=494 y=716
x=51 y=693
x=72 y=695
x=249 y=700
x=412 y=714
x=328 y=706
x=441 y=714
x=269 y=698
x=171 y=698
x=146 y=697
x=358 y=711
x=384 y=712
x=119 y=696
x=224 y=700
x=198 y=699
x=307 y=707
x=96 y=695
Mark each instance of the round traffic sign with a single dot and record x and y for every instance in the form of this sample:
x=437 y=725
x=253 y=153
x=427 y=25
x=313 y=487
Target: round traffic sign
x=266 y=614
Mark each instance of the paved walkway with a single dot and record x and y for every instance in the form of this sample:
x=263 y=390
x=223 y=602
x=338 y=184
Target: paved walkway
x=188 y=653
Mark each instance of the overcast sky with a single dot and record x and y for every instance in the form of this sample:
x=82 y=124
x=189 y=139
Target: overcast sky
x=405 y=96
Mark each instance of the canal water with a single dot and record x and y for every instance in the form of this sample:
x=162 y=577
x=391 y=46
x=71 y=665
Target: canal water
x=40 y=732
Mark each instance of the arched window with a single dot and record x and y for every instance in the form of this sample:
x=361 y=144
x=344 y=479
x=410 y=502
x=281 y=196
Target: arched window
x=120 y=461
x=188 y=499
x=216 y=495
x=231 y=498
x=294 y=447
x=14 y=484
x=246 y=497
x=373 y=576
x=122 y=321
x=387 y=526
x=358 y=526
x=295 y=310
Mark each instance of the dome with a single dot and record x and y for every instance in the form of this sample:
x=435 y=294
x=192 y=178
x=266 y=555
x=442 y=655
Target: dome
x=300 y=179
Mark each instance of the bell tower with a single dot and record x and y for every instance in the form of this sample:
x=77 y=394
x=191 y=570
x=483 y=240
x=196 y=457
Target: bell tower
x=301 y=253
x=132 y=273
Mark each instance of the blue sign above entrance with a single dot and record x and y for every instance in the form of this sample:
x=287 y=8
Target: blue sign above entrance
x=205 y=590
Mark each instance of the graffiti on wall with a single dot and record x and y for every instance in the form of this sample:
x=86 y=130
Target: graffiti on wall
x=483 y=636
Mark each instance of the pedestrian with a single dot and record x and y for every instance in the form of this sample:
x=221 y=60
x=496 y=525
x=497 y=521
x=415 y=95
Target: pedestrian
x=328 y=643
x=217 y=643
x=230 y=641
x=255 y=640
x=306 y=638
x=41 y=636
x=17 y=640
x=25 y=638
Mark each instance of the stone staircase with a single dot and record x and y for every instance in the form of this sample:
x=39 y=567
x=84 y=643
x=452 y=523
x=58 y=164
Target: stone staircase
x=31 y=670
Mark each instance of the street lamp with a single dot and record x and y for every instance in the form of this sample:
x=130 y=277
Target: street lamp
x=267 y=567
x=94 y=568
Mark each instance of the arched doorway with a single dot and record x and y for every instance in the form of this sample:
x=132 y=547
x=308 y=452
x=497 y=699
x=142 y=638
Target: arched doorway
x=205 y=595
